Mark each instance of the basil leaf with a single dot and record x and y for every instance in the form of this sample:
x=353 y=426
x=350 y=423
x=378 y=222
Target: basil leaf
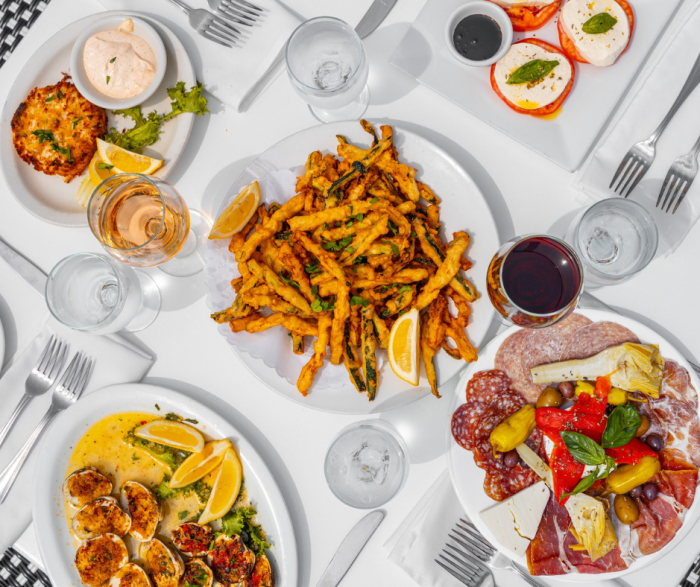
x=621 y=427
x=583 y=449
x=598 y=24
x=532 y=72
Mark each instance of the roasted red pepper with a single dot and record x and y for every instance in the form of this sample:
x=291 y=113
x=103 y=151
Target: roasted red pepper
x=596 y=403
x=631 y=453
x=566 y=472
x=592 y=425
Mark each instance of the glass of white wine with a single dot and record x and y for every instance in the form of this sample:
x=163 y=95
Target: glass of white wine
x=143 y=221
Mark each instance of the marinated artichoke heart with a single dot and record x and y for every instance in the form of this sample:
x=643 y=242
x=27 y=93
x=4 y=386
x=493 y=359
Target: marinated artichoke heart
x=631 y=367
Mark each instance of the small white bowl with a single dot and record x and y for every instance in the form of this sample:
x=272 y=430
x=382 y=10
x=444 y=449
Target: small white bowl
x=81 y=79
x=488 y=9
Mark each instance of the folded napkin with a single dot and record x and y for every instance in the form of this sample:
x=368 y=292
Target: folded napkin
x=649 y=101
x=226 y=73
x=115 y=361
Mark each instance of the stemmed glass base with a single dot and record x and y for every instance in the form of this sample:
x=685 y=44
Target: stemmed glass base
x=352 y=111
x=190 y=259
x=150 y=303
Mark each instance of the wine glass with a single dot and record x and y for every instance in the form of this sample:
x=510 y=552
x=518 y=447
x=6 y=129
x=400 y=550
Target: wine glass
x=94 y=293
x=328 y=68
x=143 y=221
x=535 y=281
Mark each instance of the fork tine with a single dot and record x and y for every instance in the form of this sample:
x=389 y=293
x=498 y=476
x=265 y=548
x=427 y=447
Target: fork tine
x=685 y=191
x=72 y=380
x=628 y=175
x=228 y=8
x=679 y=184
x=52 y=364
x=61 y=355
x=232 y=17
x=669 y=175
x=474 y=533
x=471 y=546
x=69 y=370
x=46 y=355
x=222 y=33
x=467 y=560
x=216 y=39
x=625 y=161
x=672 y=184
x=641 y=172
x=222 y=24
x=458 y=563
x=84 y=374
x=456 y=575
x=244 y=3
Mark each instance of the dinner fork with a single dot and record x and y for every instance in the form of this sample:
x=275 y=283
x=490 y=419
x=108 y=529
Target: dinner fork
x=39 y=380
x=680 y=175
x=639 y=158
x=237 y=11
x=65 y=394
x=210 y=26
x=463 y=568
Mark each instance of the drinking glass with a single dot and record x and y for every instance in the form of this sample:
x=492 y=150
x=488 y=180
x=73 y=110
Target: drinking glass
x=615 y=240
x=366 y=464
x=143 y=221
x=328 y=68
x=535 y=281
x=94 y=293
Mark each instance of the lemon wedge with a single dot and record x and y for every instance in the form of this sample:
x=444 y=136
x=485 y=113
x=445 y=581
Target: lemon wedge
x=84 y=192
x=125 y=161
x=238 y=213
x=99 y=170
x=199 y=464
x=172 y=433
x=225 y=489
x=403 y=347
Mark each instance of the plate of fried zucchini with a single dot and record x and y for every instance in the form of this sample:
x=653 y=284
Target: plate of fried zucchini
x=356 y=226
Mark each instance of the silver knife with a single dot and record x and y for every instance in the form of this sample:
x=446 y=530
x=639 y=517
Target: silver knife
x=26 y=269
x=370 y=21
x=349 y=549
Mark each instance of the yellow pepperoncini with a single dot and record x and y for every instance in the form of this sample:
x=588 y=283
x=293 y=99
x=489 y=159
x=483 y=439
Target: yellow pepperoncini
x=514 y=430
x=617 y=396
x=627 y=477
x=584 y=387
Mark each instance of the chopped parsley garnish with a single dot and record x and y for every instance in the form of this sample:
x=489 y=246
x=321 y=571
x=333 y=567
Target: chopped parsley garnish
x=43 y=135
x=108 y=78
x=359 y=301
x=393 y=228
x=374 y=200
x=394 y=250
x=63 y=151
x=312 y=268
x=338 y=245
x=75 y=121
x=102 y=165
x=183 y=514
x=113 y=59
x=50 y=99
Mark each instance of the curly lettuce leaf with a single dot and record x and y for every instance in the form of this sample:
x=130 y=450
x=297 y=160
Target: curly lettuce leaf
x=238 y=521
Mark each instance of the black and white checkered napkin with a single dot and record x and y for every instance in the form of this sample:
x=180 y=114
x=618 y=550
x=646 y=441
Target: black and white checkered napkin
x=16 y=17
x=17 y=571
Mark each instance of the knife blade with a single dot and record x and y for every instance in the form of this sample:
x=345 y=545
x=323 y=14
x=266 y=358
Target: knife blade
x=26 y=269
x=350 y=548
x=374 y=16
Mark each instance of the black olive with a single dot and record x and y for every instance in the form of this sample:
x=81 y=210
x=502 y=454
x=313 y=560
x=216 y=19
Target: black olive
x=609 y=409
x=636 y=492
x=567 y=389
x=655 y=442
x=511 y=459
x=651 y=490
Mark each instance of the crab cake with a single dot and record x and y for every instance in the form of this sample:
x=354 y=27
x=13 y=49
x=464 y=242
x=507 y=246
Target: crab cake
x=144 y=508
x=101 y=516
x=231 y=560
x=99 y=559
x=55 y=129
x=262 y=573
x=197 y=574
x=192 y=539
x=85 y=485
x=164 y=564
x=131 y=575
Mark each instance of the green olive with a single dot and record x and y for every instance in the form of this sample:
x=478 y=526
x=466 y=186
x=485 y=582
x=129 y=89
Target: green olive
x=643 y=427
x=550 y=398
x=617 y=396
x=626 y=509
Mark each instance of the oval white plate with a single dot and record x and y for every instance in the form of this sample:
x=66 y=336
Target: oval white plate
x=468 y=479
x=54 y=540
x=463 y=208
x=47 y=196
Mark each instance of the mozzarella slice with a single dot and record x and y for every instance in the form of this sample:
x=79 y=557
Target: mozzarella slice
x=540 y=94
x=602 y=49
x=512 y=3
x=514 y=522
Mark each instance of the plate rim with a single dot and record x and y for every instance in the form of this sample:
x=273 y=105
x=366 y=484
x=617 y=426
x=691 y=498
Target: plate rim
x=692 y=514
x=44 y=502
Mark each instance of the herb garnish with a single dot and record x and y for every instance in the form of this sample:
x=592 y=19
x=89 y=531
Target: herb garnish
x=532 y=72
x=598 y=24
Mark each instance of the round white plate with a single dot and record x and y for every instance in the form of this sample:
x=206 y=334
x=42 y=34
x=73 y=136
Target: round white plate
x=468 y=479
x=47 y=196
x=54 y=540
x=463 y=208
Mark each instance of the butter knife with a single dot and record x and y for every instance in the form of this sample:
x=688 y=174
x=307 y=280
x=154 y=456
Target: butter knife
x=350 y=548
x=26 y=269
x=370 y=21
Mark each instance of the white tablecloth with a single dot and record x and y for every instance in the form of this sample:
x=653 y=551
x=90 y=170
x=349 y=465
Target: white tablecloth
x=527 y=194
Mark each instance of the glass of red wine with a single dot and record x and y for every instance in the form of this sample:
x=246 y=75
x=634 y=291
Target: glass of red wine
x=534 y=281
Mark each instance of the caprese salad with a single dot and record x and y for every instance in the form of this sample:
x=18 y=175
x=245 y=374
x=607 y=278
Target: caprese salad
x=529 y=15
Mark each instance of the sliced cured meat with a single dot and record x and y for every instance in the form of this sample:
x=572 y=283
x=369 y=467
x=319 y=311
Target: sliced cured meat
x=547 y=344
x=658 y=522
x=680 y=484
x=509 y=402
x=596 y=337
x=461 y=428
x=677 y=378
x=485 y=385
x=490 y=418
x=500 y=485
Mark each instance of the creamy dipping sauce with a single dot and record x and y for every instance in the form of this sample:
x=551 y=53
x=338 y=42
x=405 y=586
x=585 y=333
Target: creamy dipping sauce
x=119 y=63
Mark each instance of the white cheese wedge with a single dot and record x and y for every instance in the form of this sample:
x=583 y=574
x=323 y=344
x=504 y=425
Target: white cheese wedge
x=514 y=522
x=511 y=3
x=540 y=94
x=601 y=49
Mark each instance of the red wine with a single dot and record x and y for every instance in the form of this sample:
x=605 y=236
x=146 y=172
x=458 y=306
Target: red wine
x=541 y=276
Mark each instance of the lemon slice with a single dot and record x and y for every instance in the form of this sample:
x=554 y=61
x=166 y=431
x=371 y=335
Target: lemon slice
x=125 y=161
x=225 y=489
x=199 y=464
x=99 y=170
x=403 y=347
x=172 y=433
x=238 y=213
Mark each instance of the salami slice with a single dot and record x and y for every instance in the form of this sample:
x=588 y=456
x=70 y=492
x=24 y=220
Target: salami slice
x=485 y=385
x=460 y=427
x=509 y=402
x=596 y=337
x=547 y=344
x=490 y=418
x=500 y=485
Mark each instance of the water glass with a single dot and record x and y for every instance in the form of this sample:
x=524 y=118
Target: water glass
x=95 y=293
x=328 y=68
x=366 y=464
x=615 y=239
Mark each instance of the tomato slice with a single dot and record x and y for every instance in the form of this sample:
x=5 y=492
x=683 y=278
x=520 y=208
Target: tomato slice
x=531 y=18
x=550 y=108
x=570 y=48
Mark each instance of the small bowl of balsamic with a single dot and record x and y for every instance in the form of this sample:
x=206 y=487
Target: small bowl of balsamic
x=479 y=33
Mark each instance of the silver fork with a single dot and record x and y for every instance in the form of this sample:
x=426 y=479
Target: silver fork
x=680 y=175
x=209 y=25
x=639 y=158
x=236 y=10
x=39 y=380
x=462 y=567
x=66 y=393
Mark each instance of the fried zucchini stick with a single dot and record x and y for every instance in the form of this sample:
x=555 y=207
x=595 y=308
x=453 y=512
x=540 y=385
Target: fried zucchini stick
x=363 y=240
x=292 y=263
x=297 y=343
x=285 y=291
x=369 y=347
x=340 y=315
x=428 y=353
x=352 y=362
x=308 y=372
x=325 y=258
